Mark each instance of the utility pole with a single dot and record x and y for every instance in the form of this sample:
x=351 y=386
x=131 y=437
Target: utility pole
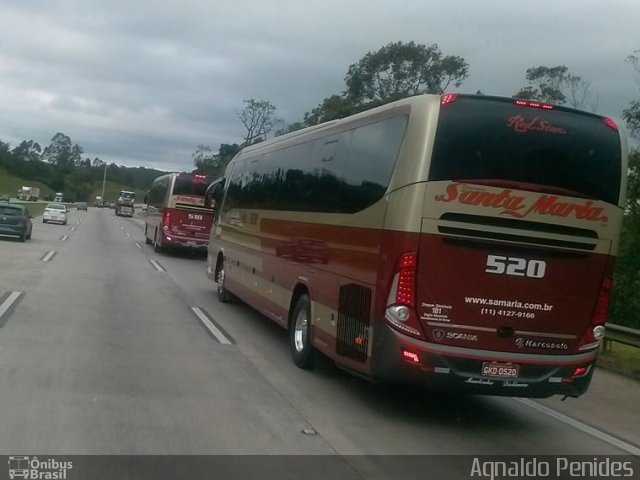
x=104 y=180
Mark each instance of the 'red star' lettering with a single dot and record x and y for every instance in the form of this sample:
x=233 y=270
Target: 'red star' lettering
x=516 y=206
x=522 y=125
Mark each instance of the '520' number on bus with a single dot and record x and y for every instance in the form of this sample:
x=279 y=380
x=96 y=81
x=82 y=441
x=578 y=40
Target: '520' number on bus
x=519 y=267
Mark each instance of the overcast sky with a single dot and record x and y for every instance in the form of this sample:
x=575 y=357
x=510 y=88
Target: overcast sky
x=144 y=82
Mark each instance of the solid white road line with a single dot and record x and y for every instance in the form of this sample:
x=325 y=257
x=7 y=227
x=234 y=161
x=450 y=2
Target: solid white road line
x=215 y=331
x=137 y=245
x=156 y=265
x=10 y=300
x=588 y=429
x=48 y=255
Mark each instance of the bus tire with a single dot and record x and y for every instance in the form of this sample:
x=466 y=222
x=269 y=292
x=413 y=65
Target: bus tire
x=223 y=294
x=147 y=240
x=300 y=334
x=157 y=245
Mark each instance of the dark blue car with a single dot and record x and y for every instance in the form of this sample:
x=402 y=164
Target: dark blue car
x=15 y=220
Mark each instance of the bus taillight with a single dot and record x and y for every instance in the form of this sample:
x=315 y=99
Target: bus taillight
x=533 y=104
x=596 y=330
x=402 y=296
x=448 y=98
x=406 y=284
x=166 y=218
x=610 y=122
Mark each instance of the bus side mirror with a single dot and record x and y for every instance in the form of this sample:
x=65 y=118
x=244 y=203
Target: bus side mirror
x=214 y=194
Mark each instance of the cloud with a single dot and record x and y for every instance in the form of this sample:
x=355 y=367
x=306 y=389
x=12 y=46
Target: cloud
x=144 y=82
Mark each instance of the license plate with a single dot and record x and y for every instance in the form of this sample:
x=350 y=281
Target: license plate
x=502 y=370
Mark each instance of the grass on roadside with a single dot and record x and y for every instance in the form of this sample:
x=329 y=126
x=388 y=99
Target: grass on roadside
x=9 y=185
x=621 y=358
x=35 y=208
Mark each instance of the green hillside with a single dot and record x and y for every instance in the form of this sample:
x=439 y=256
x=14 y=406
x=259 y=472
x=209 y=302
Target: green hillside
x=9 y=185
x=112 y=191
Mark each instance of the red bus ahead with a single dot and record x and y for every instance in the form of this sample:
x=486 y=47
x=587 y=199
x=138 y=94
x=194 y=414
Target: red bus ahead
x=176 y=215
x=461 y=242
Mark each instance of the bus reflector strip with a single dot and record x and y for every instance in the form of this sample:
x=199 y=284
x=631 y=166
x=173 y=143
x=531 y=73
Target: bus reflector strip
x=580 y=371
x=410 y=356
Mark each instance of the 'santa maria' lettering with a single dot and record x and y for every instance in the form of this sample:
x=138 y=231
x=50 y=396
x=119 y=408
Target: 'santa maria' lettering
x=516 y=205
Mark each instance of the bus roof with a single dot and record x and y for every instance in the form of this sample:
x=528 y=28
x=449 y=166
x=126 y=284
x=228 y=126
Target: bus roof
x=299 y=134
x=423 y=99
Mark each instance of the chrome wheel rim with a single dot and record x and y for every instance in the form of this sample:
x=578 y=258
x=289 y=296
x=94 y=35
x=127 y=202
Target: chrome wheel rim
x=300 y=330
x=220 y=280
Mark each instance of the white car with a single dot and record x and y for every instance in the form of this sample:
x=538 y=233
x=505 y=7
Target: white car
x=55 y=212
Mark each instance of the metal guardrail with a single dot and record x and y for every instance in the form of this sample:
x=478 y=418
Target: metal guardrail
x=620 y=334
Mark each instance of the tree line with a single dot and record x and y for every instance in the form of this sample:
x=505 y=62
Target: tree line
x=61 y=166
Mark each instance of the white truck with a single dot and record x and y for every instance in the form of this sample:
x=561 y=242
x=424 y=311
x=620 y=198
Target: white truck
x=28 y=194
x=58 y=197
x=125 y=204
x=98 y=202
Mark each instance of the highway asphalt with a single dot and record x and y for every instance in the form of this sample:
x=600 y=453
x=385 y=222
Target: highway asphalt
x=107 y=347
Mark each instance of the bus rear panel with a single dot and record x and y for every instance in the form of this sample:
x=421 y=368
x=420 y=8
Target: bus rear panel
x=507 y=288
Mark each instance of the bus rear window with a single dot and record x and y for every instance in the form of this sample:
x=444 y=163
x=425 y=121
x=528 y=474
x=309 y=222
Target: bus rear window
x=492 y=140
x=191 y=185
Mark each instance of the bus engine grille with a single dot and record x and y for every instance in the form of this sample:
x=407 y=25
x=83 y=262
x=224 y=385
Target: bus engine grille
x=354 y=310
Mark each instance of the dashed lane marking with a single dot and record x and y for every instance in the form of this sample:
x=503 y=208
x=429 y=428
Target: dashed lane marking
x=157 y=266
x=7 y=302
x=48 y=256
x=214 y=329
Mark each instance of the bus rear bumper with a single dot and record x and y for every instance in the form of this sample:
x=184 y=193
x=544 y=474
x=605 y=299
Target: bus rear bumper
x=176 y=241
x=398 y=358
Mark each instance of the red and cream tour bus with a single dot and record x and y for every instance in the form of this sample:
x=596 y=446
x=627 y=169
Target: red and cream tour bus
x=460 y=242
x=176 y=214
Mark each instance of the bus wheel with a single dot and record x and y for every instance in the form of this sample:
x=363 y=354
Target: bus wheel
x=223 y=294
x=157 y=246
x=300 y=334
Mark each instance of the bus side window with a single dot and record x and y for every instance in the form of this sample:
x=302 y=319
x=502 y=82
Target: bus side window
x=233 y=197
